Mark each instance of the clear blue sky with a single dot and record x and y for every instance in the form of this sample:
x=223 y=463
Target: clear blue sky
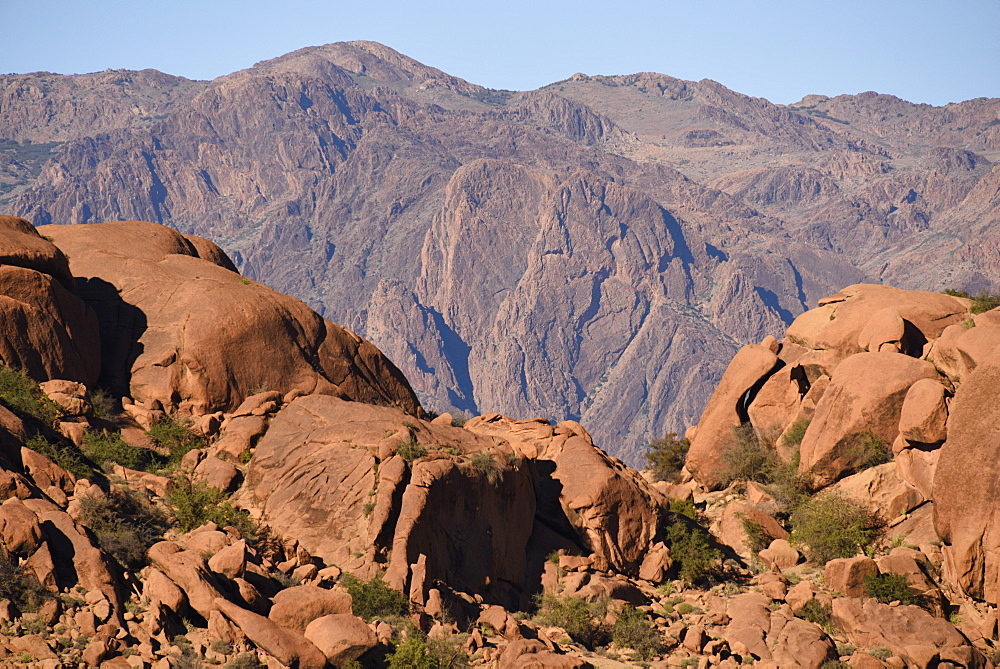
x=923 y=51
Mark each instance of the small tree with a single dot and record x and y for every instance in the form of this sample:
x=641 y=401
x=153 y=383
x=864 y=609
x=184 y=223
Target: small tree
x=666 y=457
x=832 y=526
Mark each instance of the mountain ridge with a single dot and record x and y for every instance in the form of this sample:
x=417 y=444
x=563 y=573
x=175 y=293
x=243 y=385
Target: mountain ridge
x=340 y=174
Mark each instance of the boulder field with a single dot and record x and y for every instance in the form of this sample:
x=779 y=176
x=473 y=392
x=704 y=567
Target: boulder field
x=291 y=504
x=911 y=373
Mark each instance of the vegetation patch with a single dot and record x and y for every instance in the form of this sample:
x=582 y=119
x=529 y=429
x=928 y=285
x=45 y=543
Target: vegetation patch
x=816 y=612
x=583 y=621
x=666 y=457
x=757 y=538
x=832 y=526
x=692 y=549
x=410 y=450
x=64 y=454
x=104 y=448
x=174 y=439
x=20 y=586
x=747 y=458
x=484 y=463
x=196 y=503
x=124 y=524
x=980 y=303
x=23 y=396
x=870 y=450
x=103 y=405
x=684 y=507
x=374 y=599
x=795 y=432
x=633 y=629
x=890 y=587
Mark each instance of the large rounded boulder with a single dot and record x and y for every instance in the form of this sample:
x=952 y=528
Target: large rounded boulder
x=189 y=332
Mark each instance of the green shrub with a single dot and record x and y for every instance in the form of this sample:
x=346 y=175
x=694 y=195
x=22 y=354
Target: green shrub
x=684 y=507
x=103 y=404
x=447 y=652
x=411 y=654
x=374 y=599
x=105 y=447
x=583 y=621
x=691 y=548
x=175 y=439
x=795 y=432
x=747 y=458
x=845 y=649
x=124 y=524
x=870 y=450
x=65 y=455
x=685 y=608
x=788 y=487
x=410 y=450
x=890 y=587
x=980 y=303
x=23 y=396
x=196 y=503
x=757 y=538
x=633 y=629
x=20 y=587
x=816 y=612
x=880 y=653
x=484 y=463
x=832 y=526
x=666 y=457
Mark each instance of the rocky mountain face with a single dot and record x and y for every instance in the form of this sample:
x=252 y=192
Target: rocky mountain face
x=260 y=487
x=593 y=250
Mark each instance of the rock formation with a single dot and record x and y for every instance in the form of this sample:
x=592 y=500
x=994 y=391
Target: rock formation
x=121 y=545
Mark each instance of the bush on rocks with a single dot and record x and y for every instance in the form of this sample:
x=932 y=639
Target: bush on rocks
x=23 y=396
x=831 y=526
x=633 y=629
x=174 y=439
x=666 y=457
x=583 y=621
x=124 y=524
x=64 y=454
x=374 y=599
x=105 y=447
x=20 y=587
x=692 y=549
x=890 y=587
x=196 y=503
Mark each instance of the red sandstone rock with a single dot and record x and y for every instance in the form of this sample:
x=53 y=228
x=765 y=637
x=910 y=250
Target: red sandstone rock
x=865 y=397
x=847 y=575
x=749 y=366
x=199 y=365
x=966 y=508
x=869 y=624
x=341 y=637
x=923 y=415
x=296 y=607
x=288 y=647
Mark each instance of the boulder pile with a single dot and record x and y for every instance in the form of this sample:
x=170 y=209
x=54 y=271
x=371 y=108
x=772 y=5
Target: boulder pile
x=194 y=468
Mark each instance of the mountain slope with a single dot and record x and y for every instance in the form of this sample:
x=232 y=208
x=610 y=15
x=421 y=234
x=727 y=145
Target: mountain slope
x=590 y=250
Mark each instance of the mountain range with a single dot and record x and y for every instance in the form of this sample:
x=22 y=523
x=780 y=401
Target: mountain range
x=596 y=250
